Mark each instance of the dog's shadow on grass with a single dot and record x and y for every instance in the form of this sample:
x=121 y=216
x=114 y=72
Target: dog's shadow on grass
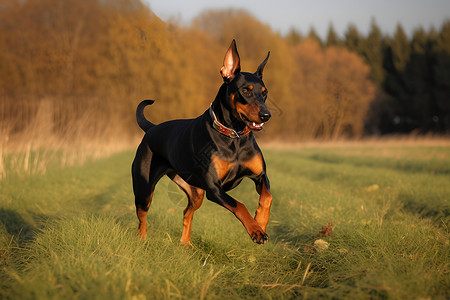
x=16 y=226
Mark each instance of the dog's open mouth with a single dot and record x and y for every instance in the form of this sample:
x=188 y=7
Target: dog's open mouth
x=252 y=125
x=255 y=126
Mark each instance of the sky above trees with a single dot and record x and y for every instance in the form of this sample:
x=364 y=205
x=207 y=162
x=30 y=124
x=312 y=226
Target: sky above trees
x=281 y=15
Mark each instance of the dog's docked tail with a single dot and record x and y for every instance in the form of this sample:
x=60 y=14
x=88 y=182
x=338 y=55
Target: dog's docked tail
x=140 y=118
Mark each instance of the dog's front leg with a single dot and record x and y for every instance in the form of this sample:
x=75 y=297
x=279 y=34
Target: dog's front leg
x=218 y=195
x=265 y=201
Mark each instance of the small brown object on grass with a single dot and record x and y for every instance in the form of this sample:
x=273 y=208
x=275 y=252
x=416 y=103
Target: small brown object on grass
x=326 y=230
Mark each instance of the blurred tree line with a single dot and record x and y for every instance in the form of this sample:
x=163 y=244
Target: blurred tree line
x=412 y=76
x=87 y=63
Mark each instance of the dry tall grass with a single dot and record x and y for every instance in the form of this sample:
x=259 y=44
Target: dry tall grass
x=34 y=134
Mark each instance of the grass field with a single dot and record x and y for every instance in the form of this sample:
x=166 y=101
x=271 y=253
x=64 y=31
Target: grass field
x=72 y=232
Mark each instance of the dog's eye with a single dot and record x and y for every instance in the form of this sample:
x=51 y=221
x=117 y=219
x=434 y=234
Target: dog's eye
x=264 y=92
x=246 y=92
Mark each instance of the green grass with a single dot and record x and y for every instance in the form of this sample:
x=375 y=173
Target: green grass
x=72 y=232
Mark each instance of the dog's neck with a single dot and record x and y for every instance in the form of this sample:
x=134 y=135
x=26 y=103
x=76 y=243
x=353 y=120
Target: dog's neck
x=223 y=111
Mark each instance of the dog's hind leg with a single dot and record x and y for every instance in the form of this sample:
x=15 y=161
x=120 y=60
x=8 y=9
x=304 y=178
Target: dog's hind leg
x=195 y=200
x=147 y=169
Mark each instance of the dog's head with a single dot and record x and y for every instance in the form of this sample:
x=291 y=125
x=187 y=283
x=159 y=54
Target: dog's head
x=247 y=93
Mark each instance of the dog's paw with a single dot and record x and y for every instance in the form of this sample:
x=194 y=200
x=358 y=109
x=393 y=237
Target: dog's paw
x=259 y=237
x=186 y=245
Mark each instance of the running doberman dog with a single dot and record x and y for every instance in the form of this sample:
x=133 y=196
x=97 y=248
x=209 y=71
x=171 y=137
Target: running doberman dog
x=211 y=153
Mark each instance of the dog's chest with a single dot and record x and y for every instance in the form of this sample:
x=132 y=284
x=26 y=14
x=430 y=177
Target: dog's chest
x=231 y=171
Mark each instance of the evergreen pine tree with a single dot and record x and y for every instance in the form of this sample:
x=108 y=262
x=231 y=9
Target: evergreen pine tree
x=373 y=52
x=393 y=85
x=417 y=77
x=294 y=37
x=401 y=49
x=441 y=75
x=419 y=41
x=397 y=56
x=314 y=36
x=332 y=38
x=353 y=39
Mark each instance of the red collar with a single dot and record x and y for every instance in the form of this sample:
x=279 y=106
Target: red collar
x=225 y=130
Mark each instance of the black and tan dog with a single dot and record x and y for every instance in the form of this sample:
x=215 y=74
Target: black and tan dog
x=211 y=153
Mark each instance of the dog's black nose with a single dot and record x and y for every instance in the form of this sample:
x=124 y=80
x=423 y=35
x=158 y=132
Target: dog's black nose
x=264 y=116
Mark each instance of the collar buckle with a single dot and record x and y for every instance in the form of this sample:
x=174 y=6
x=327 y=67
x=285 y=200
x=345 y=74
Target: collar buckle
x=229 y=132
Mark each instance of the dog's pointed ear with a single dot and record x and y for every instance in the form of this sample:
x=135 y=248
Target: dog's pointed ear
x=260 y=70
x=231 y=63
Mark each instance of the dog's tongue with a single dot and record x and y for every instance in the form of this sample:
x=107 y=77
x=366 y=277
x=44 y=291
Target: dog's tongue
x=255 y=126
